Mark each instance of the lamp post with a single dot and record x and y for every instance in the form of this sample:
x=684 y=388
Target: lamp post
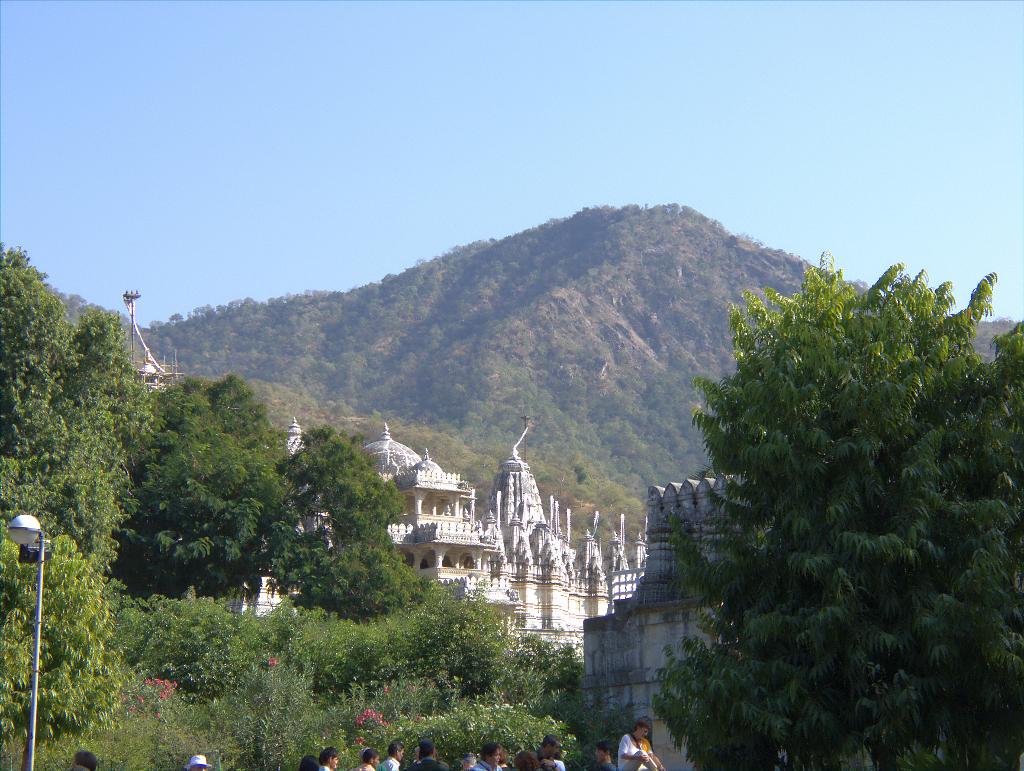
x=25 y=530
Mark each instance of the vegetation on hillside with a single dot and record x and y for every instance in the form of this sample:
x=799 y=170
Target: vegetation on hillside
x=594 y=325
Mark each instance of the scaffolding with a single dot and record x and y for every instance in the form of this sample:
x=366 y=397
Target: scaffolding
x=154 y=374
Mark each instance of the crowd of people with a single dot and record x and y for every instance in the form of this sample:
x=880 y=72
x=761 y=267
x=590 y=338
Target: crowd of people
x=634 y=754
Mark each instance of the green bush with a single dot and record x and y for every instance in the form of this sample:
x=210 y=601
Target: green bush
x=456 y=643
x=270 y=717
x=337 y=654
x=156 y=729
x=463 y=728
x=534 y=670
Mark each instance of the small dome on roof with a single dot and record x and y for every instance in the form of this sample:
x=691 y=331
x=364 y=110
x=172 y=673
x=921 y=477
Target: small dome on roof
x=427 y=465
x=391 y=458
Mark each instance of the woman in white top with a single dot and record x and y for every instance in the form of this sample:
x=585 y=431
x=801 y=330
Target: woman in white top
x=635 y=753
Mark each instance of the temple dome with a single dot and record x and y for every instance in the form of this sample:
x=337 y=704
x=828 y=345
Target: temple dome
x=391 y=458
x=427 y=465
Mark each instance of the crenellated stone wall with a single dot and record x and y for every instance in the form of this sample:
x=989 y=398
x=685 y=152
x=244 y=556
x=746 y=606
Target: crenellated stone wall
x=623 y=651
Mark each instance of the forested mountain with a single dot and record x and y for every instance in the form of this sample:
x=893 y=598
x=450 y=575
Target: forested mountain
x=595 y=325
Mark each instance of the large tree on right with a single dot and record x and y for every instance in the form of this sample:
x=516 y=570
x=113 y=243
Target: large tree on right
x=863 y=582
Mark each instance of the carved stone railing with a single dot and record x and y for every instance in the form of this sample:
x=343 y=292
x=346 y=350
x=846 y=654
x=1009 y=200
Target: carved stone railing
x=495 y=590
x=412 y=478
x=436 y=532
x=622 y=583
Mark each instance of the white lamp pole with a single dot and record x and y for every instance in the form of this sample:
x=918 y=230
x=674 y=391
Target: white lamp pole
x=25 y=530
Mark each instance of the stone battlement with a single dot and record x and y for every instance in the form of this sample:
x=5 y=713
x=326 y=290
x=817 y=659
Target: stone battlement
x=692 y=502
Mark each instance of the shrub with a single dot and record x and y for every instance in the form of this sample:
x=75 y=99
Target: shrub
x=271 y=718
x=465 y=727
x=196 y=642
x=156 y=729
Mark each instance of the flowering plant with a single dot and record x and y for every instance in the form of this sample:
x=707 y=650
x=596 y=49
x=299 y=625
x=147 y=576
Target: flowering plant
x=370 y=718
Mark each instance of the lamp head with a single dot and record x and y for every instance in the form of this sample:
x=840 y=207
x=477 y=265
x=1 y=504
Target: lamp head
x=24 y=530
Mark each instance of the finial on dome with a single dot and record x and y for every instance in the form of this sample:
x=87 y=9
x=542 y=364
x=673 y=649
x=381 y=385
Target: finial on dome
x=426 y=454
x=515 y=447
x=387 y=432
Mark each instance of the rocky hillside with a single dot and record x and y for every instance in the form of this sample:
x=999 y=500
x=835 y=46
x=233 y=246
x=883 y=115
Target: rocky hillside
x=594 y=325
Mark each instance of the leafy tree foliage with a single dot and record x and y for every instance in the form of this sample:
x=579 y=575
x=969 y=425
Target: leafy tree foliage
x=207 y=493
x=80 y=671
x=197 y=643
x=341 y=558
x=70 y=409
x=867 y=590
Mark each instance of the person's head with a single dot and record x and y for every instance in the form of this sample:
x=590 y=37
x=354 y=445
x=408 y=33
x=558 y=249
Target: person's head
x=468 y=761
x=427 y=749
x=527 y=761
x=329 y=758
x=197 y=763
x=396 y=750
x=308 y=763
x=641 y=728
x=85 y=759
x=550 y=747
x=490 y=753
x=370 y=756
x=603 y=752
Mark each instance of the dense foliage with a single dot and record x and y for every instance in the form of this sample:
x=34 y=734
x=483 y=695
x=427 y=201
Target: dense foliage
x=206 y=493
x=80 y=671
x=866 y=585
x=342 y=558
x=70 y=411
x=259 y=692
x=559 y=320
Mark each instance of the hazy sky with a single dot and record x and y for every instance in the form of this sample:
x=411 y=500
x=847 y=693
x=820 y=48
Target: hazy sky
x=208 y=152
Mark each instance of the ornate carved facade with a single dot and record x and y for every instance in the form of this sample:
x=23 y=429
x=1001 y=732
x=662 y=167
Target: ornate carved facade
x=519 y=553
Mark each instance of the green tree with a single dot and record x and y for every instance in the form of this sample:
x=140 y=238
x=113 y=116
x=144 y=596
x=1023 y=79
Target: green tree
x=341 y=557
x=79 y=671
x=206 y=493
x=70 y=410
x=866 y=586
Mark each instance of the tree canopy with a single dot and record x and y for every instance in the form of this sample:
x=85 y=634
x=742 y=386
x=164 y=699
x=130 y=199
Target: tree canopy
x=79 y=669
x=342 y=559
x=70 y=410
x=865 y=582
x=206 y=493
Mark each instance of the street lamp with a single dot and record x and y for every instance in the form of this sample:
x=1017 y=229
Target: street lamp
x=25 y=530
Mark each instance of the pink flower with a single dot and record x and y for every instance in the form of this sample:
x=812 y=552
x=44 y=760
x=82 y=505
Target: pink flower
x=387 y=689
x=271 y=662
x=360 y=741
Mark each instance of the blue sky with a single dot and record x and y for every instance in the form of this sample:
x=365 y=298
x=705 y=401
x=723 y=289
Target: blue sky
x=204 y=152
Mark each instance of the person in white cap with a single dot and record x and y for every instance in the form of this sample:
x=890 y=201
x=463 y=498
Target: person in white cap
x=197 y=763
